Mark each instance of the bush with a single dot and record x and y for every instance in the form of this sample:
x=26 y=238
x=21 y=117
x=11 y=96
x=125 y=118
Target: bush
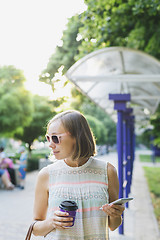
x=32 y=164
x=33 y=161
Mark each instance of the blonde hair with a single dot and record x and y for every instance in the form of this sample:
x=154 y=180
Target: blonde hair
x=76 y=124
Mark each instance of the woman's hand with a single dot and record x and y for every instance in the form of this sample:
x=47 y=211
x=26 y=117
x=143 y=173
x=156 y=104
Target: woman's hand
x=113 y=210
x=62 y=220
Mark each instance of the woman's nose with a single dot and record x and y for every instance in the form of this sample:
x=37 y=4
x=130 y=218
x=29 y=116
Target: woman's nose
x=52 y=145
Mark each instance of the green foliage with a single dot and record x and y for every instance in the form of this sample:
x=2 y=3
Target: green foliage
x=98 y=129
x=144 y=138
x=121 y=23
x=152 y=174
x=32 y=163
x=148 y=158
x=109 y=126
x=42 y=112
x=64 y=55
x=11 y=77
x=15 y=101
x=155 y=122
x=131 y=23
x=87 y=107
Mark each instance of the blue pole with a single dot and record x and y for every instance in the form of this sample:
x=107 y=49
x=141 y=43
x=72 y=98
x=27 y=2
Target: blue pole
x=132 y=144
x=129 y=136
x=125 y=162
x=120 y=105
x=120 y=159
x=127 y=169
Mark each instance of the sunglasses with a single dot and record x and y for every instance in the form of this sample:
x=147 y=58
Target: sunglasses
x=55 y=138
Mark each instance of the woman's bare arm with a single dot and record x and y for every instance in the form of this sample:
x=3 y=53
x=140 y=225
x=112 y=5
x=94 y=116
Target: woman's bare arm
x=114 y=211
x=43 y=226
x=59 y=219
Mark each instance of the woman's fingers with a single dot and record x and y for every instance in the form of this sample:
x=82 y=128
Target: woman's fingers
x=62 y=219
x=113 y=210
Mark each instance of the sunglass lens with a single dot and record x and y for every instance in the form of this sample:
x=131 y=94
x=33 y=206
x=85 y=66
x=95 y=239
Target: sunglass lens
x=48 y=138
x=55 y=139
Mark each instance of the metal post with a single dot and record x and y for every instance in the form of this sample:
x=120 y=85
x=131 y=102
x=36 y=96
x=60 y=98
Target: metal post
x=129 y=158
x=127 y=149
x=120 y=159
x=133 y=145
x=120 y=151
x=125 y=162
x=120 y=105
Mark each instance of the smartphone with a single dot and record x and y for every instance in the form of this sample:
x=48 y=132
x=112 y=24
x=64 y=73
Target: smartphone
x=121 y=201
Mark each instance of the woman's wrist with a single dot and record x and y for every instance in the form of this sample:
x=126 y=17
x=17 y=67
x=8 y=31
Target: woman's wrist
x=52 y=225
x=42 y=228
x=114 y=222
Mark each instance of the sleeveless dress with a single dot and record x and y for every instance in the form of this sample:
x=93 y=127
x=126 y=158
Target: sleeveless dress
x=87 y=185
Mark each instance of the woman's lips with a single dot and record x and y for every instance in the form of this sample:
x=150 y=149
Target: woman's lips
x=55 y=152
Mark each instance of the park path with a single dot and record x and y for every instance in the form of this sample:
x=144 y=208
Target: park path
x=16 y=208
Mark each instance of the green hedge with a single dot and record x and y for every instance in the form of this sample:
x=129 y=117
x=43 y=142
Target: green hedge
x=32 y=164
x=33 y=161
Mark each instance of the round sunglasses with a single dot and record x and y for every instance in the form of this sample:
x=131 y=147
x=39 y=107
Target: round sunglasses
x=55 y=138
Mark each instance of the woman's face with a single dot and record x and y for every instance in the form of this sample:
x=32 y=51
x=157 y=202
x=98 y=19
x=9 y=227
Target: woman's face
x=65 y=148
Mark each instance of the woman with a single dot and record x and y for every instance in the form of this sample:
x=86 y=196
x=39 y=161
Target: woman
x=7 y=183
x=6 y=164
x=75 y=176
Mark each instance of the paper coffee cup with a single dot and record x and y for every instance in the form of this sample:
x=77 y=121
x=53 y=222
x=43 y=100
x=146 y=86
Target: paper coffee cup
x=70 y=207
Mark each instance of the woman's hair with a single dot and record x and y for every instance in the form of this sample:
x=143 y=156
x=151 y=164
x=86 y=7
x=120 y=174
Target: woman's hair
x=76 y=124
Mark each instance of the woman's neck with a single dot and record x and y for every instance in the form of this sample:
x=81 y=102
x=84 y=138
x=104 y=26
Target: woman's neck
x=76 y=163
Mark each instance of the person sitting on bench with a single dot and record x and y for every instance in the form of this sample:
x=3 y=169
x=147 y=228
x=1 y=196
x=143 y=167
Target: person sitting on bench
x=7 y=183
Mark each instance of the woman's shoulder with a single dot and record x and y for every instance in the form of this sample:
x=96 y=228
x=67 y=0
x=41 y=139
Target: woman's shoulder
x=43 y=173
x=111 y=170
x=98 y=162
x=49 y=168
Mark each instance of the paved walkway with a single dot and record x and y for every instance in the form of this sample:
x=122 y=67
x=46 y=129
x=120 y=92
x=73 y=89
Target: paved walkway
x=139 y=221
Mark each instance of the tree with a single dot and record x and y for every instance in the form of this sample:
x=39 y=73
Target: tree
x=42 y=112
x=86 y=106
x=121 y=23
x=155 y=122
x=64 y=55
x=98 y=130
x=109 y=23
x=15 y=101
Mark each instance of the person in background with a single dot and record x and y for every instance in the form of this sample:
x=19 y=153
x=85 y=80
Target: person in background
x=7 y=164
x=7 y=183
x=2 y=154
x=22 y=167
x=76 y=176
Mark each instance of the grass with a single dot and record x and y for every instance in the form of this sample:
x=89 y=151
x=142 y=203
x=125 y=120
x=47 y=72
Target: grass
x=148 y=158
x=153 y=178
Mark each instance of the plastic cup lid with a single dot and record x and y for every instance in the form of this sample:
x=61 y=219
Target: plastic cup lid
x=68 y=206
